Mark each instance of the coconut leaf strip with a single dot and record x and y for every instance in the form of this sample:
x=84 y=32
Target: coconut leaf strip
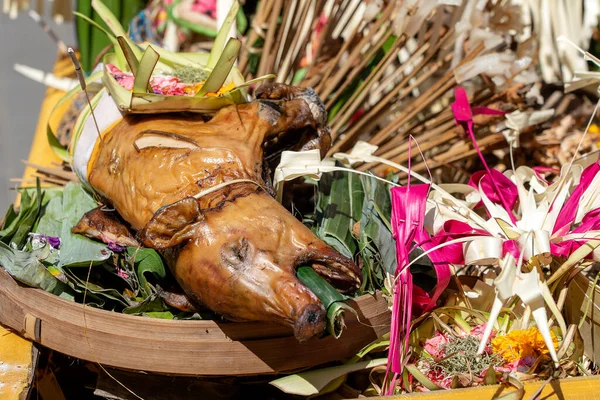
x=217 y=50
x=141 y=83
x=313 y=382
x=576 y=257
x=114 y=25
x=130 y=56
x=419 y=376
x=53 y=141
x=256 y=80
x=121 y=60
x=172 y=59
x=222 y=68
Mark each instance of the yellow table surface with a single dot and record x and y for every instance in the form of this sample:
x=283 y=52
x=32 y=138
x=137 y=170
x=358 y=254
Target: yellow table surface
x=580 y=388
x=20 y=353
x=15 y=364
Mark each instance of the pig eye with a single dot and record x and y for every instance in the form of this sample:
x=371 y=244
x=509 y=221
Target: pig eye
x=235 y=254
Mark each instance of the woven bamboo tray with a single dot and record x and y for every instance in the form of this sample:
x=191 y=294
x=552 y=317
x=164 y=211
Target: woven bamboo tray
x=179 y=347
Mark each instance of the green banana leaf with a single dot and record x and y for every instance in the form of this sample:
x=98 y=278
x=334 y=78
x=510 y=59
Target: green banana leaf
x=77 y=249
x=147 y=262
x=27 y=268
x=339 y=203
x=377 y=244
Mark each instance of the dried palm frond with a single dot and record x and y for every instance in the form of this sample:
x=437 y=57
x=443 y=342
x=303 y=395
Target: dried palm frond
x=387 y=69
x=53 y=175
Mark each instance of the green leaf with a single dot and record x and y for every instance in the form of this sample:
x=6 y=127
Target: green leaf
x=50 y=223
x=339 y=199
x=10 y=229
x=490 y=377
x=332 y=300
x=222 y=35
x=10 y=216
x=27 y=268
x=312 y=382
x=147 y=261
x=242 y=21
x=356 y=197
x=419 y=376
x=222 y=68
x=29 y=218
x=130 y=56
x=78 y=249
x=377 y=243
x=141 y=83
x=150 y=305
x=159 y=314
x=99 y=292
x=84 y=35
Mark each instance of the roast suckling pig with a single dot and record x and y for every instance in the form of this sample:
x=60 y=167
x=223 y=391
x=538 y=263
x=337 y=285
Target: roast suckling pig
x=234 y=250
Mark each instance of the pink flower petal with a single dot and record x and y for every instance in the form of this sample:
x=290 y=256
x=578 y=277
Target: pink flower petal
x=568 y=212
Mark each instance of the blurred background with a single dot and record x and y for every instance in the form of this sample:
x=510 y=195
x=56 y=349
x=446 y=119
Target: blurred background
x=22 y=41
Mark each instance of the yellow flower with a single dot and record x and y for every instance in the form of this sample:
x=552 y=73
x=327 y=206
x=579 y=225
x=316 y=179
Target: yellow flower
x=519 y=344
x=196 y=88
x=224 y=89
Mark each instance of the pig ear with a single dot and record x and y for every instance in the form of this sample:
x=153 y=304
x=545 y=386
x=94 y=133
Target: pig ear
x=280 y=91
x=172 y=224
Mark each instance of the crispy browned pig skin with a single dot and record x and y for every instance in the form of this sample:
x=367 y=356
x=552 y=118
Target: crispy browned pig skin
x=234 y=250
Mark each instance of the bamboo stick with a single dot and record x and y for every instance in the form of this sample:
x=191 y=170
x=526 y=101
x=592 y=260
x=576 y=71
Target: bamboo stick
x=256 y=31
x=359 y=126
x=303 y=27
x=354 y=55
x=262 y=66
x=433 y=93
x=359 y=95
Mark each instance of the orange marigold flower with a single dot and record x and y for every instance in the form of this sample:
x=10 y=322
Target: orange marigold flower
x=522 y=343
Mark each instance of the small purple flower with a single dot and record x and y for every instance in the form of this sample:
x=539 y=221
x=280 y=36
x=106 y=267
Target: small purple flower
x=53 y=241
x=116 y=247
